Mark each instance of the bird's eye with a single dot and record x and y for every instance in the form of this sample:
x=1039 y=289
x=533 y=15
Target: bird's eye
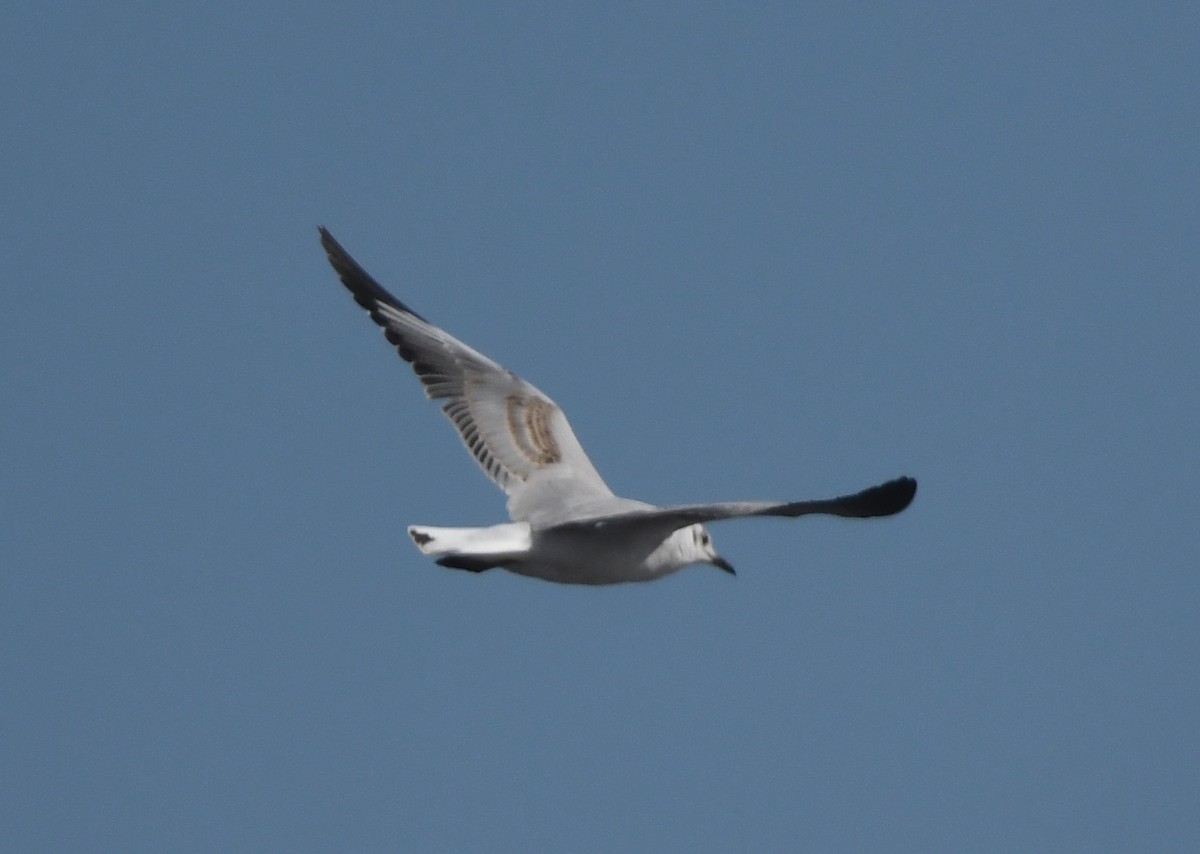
x=704 y=539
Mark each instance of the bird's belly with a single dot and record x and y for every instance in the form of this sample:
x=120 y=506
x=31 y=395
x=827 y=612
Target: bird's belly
x=583 y=557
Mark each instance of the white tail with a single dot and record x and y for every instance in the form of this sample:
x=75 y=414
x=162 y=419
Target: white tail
x=507 y=539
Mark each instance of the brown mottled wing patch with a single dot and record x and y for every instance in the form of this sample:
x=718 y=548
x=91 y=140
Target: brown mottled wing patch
x=529 y=426
x=511 y=428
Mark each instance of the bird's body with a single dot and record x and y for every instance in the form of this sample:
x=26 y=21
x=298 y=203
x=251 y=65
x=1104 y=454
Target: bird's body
x=566 y=554
x=567 y=525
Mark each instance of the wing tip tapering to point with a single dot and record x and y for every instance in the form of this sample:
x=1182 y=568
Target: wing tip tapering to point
x=888 y=499
x=367 y=292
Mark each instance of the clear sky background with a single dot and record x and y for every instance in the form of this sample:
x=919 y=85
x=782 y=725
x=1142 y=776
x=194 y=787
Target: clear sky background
x=754 y=251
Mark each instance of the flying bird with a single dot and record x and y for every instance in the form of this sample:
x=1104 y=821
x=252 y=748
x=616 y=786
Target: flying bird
x=567 y=525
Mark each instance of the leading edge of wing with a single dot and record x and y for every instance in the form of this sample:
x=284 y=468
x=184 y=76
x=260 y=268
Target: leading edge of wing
x=886 y=499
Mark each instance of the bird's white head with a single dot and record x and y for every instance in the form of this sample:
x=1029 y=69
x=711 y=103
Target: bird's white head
x=696 y=546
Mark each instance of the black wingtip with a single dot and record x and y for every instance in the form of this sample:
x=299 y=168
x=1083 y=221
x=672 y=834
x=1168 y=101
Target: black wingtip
x=353 y=276
x=332 y=248
x=889 y=498
x=367 y=292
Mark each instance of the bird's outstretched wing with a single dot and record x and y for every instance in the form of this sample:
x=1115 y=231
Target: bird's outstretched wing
x=512 y=429
x=886 y=499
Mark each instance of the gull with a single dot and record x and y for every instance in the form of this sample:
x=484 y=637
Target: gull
x=567 y=525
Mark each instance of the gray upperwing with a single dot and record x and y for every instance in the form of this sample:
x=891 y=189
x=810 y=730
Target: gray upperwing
x=886 y=499
x=513 y=431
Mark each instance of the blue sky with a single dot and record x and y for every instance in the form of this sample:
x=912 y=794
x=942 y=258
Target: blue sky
x=785 y=252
